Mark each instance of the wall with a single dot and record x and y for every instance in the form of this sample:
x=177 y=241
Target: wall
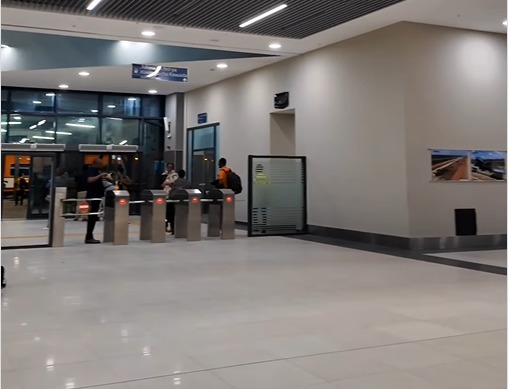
x=349 y=106
x=455 y=99
x=366 y=111
x=283 y=134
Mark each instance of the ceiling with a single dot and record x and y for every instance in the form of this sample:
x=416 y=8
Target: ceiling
x=300 y=19
x=483 y=15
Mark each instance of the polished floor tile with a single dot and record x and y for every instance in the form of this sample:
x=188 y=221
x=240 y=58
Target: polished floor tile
x=250 y=313
x=486 y=257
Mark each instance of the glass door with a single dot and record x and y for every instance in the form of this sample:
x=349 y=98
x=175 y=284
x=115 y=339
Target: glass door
x=203 y=154
x=26 y=183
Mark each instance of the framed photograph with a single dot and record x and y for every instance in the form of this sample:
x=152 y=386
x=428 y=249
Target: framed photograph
x=488 y=165
x=450 y=165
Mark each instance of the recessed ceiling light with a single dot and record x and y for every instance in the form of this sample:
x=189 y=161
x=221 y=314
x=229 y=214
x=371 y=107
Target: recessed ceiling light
x=51 y=94
x=16 y=117
x=132 y=98
x=84 y=74
x=275 y=46
x=153 y=91
x=36 y=102
x=505 y=23
x=93 y=4
x=222 y=66
x=94 y=111
x=63 y=86
x=264 y=15
x=148 y=33
x=5 y=46
x=111 y=106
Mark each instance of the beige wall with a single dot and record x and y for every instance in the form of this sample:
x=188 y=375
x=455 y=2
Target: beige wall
x=455 y=99
x=365 y=120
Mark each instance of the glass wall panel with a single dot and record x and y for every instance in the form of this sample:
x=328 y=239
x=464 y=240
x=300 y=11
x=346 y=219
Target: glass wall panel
x=73 y=130
x=203 y=138
x=31 y=129
x=5 y=102
x=70 y=102
x=152 y=107
x=32 y=101
x=121 y=105
x=4 y=128
x=120 y=131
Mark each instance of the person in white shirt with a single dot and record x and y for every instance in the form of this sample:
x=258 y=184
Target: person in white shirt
x=167 y=185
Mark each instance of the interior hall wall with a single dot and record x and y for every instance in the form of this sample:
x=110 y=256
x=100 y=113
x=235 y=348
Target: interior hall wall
x=455 y=99
x=349 y=123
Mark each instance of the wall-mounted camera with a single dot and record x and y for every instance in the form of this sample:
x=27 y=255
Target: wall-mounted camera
x=281 y=100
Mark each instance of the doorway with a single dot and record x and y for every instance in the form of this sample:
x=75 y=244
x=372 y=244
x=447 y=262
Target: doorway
x=283 y=132
x=26 y=183
x=202 y=154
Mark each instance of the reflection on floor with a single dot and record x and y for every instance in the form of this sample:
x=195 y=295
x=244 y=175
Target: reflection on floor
x=489 y=257
x=12 y=211
x=264 y=313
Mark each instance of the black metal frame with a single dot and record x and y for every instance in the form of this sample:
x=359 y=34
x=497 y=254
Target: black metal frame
x=250 y=193
x=189 y=140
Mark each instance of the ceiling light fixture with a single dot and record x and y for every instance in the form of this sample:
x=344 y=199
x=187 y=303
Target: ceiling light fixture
x=84 y=74
x=262 y=16
x=153 y=91
x=93 y=4
x=63 y=133
x=36 y=102
x=505 y=23
x=41 y=122
x=222 y=66
x=43 y=137
x=94 y=110
x=63 y=86
x=23 y=140
x=11 y=123
x=51 y=94
x=132 y=99
x=33 y=127
x=148 y=33
x=275 y=46
x=16 y=117
x=111 y=106
x=5 y=46
x=124 y=142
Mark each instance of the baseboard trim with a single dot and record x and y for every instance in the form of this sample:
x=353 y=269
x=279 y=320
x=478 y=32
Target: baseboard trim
x=452 y=243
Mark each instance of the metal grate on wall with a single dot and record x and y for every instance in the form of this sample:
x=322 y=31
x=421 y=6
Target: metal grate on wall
x=300 y=19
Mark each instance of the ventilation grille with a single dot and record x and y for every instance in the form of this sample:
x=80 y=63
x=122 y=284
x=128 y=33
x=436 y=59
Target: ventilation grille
x=300 y=19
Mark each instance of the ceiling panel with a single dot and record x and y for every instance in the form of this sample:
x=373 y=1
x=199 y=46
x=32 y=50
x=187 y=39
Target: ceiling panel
x=300 y=19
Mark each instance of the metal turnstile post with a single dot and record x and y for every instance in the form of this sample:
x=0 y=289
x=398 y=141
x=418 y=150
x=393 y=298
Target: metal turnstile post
x=228 y=214
x=214 y=215
x=58 y=222
x=188 y=214
x=152 y=223
x=116 y=217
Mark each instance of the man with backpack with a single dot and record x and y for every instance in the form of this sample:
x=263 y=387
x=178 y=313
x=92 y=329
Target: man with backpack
x=227 y=179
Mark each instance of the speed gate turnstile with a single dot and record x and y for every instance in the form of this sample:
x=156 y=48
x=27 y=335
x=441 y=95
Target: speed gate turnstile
x=152 y=221
x=221 y=221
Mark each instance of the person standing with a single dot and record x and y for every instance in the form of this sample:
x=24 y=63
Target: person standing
x=223 y=174
x=170 y=177
x=20 y=186
x=179 y=183
x=95 y=189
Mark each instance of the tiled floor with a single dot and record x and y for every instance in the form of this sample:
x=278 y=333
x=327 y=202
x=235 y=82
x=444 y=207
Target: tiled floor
x=262 y=313
x=490 y=257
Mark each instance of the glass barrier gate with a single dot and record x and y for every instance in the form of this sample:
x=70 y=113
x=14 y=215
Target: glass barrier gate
x=276 y=195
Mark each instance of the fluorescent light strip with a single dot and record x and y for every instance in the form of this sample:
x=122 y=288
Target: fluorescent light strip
x=262 y=16
x=58 y=132
x=123 y=142
x=80 y=125
x=11 y=123
x=93 y=4
x=43 y=137
x=33 y=127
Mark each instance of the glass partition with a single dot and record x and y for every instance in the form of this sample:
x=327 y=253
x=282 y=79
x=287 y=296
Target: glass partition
x=276 y=195
x=32 y=101
x=121 y=105
x=118 y=131
x=73 y=130
x=202 y=154
x=31 y=129
x=84 y=103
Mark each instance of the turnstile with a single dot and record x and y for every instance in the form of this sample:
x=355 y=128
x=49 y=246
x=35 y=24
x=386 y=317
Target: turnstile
x=221 y=220
x=58 y=222
x=152 y=223
x=116 y=217
x=188 y=214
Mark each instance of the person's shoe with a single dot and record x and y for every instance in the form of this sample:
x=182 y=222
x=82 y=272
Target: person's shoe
x=92 y=241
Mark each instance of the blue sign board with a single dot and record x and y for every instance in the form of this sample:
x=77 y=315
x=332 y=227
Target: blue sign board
x=162 y=73
x=202 y=118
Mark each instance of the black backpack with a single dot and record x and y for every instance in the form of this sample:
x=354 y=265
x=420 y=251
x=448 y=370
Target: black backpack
x=234 y=182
